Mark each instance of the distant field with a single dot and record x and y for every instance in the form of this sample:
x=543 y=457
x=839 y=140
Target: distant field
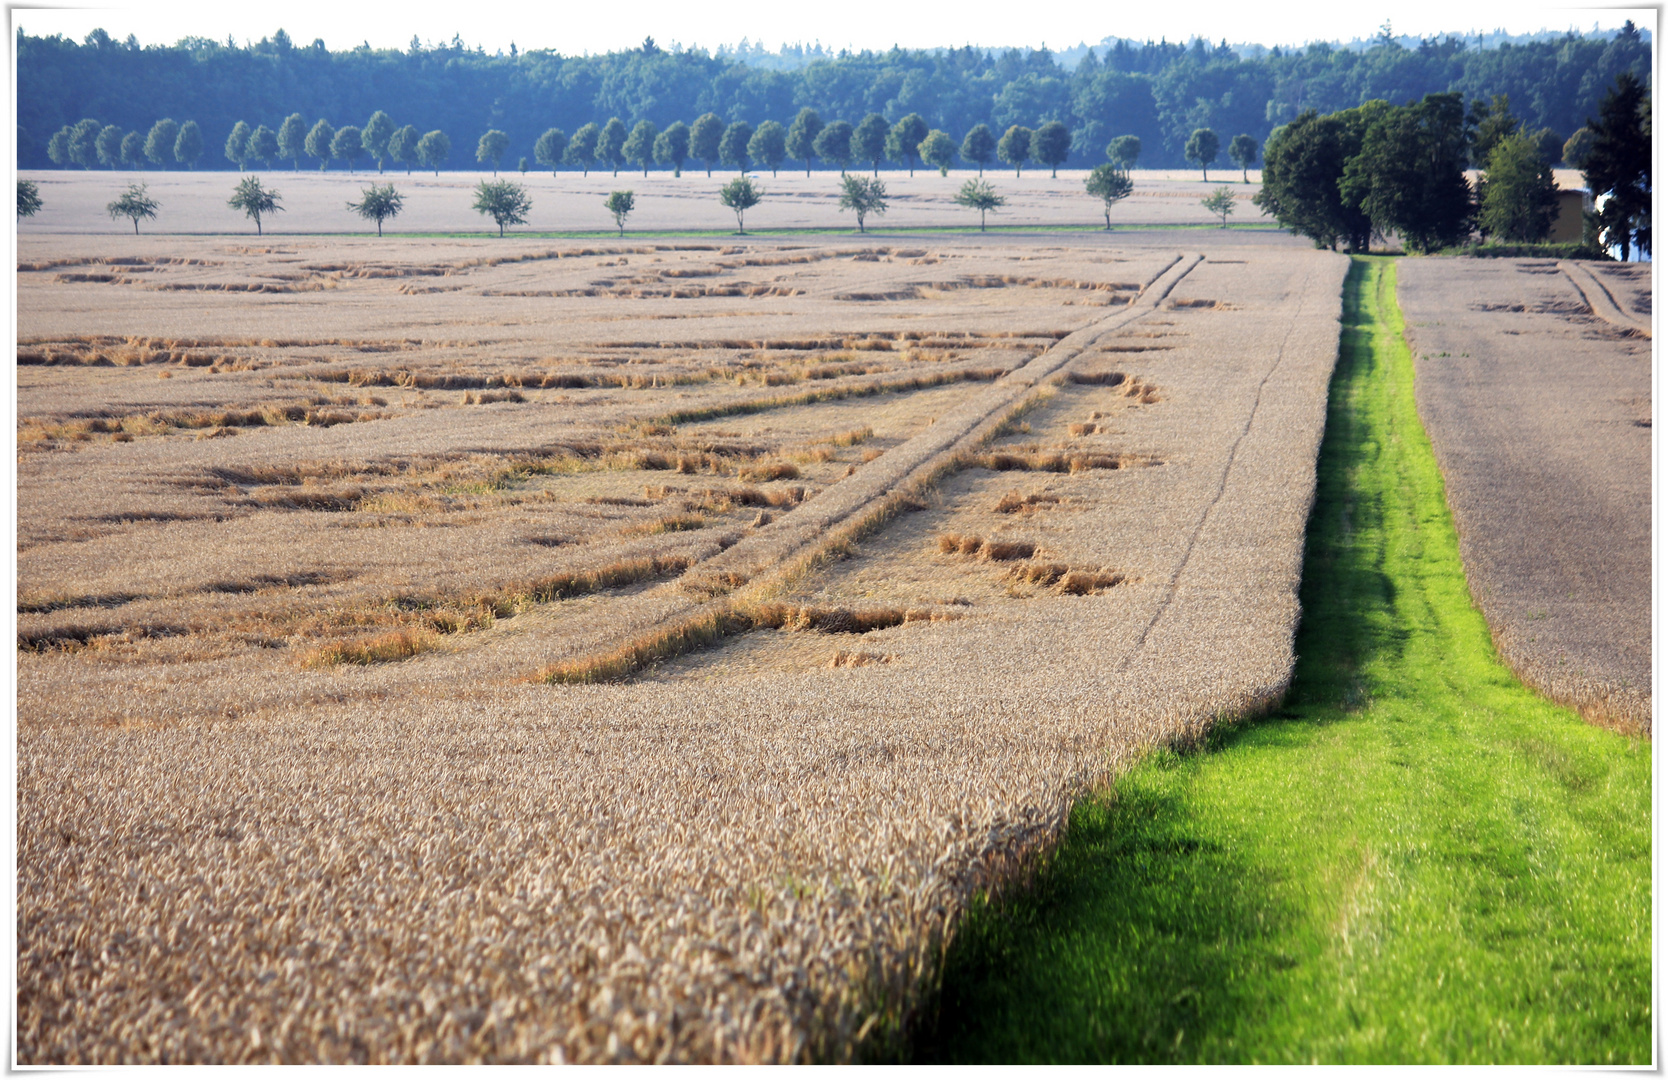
x=315 y=202
x=447 y=650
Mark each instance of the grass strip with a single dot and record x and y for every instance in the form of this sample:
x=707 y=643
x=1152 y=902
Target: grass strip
x=1416 y=859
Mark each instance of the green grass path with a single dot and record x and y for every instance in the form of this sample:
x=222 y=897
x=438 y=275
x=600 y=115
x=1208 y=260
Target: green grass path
x=1415 y=860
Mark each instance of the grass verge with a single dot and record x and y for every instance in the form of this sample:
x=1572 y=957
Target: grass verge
x=1415 y=860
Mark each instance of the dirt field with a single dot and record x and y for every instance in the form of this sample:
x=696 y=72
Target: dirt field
x=316 y=202
x=896 y=548
x=1540 y=412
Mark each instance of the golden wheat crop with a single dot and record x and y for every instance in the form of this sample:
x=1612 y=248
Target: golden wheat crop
x=609 y=688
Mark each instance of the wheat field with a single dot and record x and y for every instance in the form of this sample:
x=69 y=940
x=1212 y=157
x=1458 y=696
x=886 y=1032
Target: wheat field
x=455 y=651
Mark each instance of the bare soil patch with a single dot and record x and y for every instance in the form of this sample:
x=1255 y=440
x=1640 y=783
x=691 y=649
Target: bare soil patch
x=1540 y=413
x=296 y=568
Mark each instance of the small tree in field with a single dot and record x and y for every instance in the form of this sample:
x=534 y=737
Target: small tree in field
x=939 y=151
x=134 y=204
x=491 y=148
x=833 y=143
x=505 y=201
x=979 y=195
x=521 y=166
x=378 y=204
x=1242 y=151
x=978 y=147
x=1108 y=183
x=1015 y=147
x=1220 y=202
x=1201 y=147
x=620 y=204
x=548 y=150
x=740 y=195
x=863 y=196
x=317 y=143
x=1124 y=151
x=433 y=149
x=254 y=200
x=1051 y=145
x=28 y=199
x=348 y=144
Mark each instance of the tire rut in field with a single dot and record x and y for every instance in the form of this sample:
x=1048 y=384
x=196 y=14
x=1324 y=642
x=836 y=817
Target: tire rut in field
x=1600 y=300
x=775 y=554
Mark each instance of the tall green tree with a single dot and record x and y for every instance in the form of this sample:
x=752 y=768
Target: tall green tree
x=768 y=145
x=868 y=140
x=292 y=140
x=903 y=141
x=377 y=131
x=981 y=196
x=834 y=144
x=83 y=143
x=1303 y=166
x=582 y=148
x=1051 y=145
x=863 y=196
x=1108 y=183
x=1490 y=123
x=1579 y=147
x=671 y=147
x=978 y=146
x=1618 y=167
x=611 y=144
x=639 y=145
x=1202 y=147
x=1124 y=151
x=262 y=146
x=402 y=147
x=109 y=145
x=491 y=148
x=741 y=195
x=188 y=145
x=348 y=144
x=1519 y=197
x=802 y=137
x=505 y=201
x=1242 y=151
x=705 y=135
x=134 y=203
x=237 y=145
x=433 y=149
x=378 y=204
x=1015 y=147
x=1410 y=174
x=318 y=142
x=133 y=150
x=548 y=150
x=939 y=151
x=620 y=204
x=159 y=144
x=254 y=200
x=732 y=148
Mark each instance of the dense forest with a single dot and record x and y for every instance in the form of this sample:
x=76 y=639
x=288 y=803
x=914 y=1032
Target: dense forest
x=1159 y=92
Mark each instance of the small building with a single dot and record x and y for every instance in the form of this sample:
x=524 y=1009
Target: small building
x=1566 y=223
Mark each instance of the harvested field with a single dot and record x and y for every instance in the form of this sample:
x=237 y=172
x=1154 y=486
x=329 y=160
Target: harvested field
x=1539 y=407
x=566 y=668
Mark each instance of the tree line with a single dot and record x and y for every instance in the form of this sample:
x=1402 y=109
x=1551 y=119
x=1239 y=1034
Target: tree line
x=1159 y=92
x=1380 y=170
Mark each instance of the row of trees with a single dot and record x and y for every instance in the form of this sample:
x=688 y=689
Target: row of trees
x=508 y=203
x=89 y=144
x=1158 y=91
x=1382 y=169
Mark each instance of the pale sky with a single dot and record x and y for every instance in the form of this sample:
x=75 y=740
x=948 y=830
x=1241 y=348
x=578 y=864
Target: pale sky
x=582 y=27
